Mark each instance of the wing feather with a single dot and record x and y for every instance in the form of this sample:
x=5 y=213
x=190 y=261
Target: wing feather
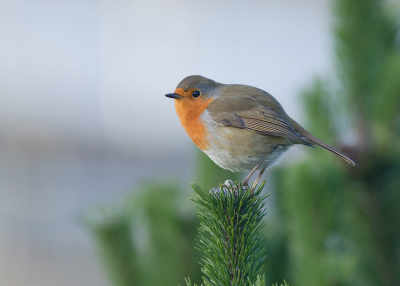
x=259 y=119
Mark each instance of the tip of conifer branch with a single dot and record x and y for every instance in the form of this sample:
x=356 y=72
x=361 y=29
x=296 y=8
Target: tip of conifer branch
x=228 y=188
x=230 y=233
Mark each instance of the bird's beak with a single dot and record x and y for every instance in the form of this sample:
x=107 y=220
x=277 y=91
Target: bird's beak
x=173 y=95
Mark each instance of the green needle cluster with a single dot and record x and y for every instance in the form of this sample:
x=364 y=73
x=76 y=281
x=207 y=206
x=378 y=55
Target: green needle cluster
x=230 y=236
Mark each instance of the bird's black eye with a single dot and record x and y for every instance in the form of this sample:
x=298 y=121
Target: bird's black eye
x=196 y=93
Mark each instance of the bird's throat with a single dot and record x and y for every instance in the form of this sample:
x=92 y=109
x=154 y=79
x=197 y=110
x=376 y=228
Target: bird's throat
x=189 y=111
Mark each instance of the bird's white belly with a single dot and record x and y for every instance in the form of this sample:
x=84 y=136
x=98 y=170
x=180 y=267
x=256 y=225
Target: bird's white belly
x=234 y=163
x=239 y=150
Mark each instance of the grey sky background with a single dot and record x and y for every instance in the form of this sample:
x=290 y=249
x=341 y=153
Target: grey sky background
x=98 y=70
x=83 y=117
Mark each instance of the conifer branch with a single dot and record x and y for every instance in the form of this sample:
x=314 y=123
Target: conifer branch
x=230 y=234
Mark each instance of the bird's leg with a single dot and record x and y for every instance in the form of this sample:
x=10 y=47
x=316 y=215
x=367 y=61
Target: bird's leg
x=246 y=180
x=258 y=178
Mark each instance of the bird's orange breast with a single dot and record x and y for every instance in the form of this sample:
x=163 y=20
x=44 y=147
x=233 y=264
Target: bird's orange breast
x=189 y=110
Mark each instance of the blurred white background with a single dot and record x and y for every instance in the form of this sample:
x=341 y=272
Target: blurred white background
x=83 y=117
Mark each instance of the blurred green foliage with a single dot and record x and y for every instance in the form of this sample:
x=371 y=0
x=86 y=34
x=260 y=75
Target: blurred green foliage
x=341 y=225
x=154 y=228
x=151 y=229
x=335 y=224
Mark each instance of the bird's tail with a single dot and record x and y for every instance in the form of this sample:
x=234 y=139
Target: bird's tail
x=317 y=142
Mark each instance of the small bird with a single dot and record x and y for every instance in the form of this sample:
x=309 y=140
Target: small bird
x=239 y=127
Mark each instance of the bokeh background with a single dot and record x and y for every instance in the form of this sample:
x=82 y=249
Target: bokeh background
x=95 y=167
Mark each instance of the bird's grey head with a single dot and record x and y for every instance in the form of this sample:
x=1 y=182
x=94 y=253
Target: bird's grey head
x=195 y=86
x=197 y=82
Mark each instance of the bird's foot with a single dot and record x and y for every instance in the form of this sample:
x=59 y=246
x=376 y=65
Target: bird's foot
x=230 y=185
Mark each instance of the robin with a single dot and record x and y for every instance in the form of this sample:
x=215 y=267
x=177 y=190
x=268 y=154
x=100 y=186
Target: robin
x=239 y=127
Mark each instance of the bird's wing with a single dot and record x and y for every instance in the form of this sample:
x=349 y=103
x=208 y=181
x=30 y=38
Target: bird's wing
x=251 y=108
x=248 y=114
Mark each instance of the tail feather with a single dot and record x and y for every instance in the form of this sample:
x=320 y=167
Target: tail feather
x=317 y=142
x=325 y=146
